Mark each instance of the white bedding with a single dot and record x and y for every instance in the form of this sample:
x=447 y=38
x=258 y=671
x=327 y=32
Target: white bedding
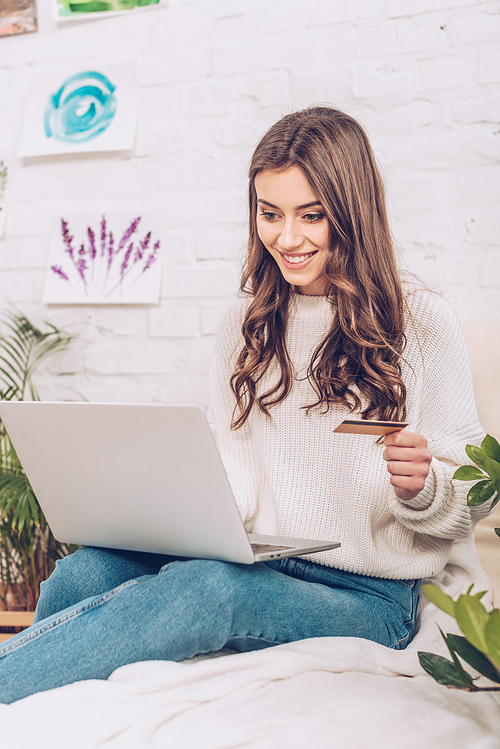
x=327 y=692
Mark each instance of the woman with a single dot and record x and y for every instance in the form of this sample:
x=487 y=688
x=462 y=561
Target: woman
x=326 y=331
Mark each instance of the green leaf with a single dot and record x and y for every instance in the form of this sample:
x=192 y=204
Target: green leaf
x=456 y=661
x=477 y=455
x=491 y=447
x=472 y=618
x=480 y=493
x=481 y=459
x=468 y=473
x=23 y=516
x=473 y=657
x=497 y=531
x=492 y=468
x=492 y=636
x=34 y=509
x=444 y=671
x=439 y=599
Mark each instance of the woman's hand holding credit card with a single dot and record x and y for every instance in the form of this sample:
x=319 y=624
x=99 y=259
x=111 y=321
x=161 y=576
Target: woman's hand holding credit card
x=406 y=454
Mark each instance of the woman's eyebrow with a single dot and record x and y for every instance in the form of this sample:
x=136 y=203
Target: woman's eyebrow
x=299 y=207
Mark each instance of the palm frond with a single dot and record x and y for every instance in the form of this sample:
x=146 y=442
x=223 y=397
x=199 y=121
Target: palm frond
x=14 y=491
x=28 y=550
x=24 y=349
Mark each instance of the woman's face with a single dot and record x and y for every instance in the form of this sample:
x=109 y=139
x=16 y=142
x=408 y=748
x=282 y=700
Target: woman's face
x=292 y=225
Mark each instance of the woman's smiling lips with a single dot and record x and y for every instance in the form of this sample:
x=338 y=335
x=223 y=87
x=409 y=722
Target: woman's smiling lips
x=297 y=261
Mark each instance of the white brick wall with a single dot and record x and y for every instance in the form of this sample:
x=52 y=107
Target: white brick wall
x=423 y=76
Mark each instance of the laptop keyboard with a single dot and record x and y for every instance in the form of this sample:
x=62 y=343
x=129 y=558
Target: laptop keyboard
x=264 y=548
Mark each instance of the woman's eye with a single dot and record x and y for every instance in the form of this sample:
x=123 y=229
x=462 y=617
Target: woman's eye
x=269 y=216
x=314 y=217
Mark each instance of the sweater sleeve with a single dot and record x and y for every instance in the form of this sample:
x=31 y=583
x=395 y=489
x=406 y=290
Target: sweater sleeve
x=441 y=407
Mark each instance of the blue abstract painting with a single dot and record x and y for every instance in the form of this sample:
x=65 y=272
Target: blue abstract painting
x=83 y=108
x=81 y=111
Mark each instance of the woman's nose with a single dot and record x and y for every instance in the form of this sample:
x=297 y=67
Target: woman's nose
x=290 y=236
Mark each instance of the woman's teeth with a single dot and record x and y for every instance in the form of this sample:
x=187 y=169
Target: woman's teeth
x=297 y=258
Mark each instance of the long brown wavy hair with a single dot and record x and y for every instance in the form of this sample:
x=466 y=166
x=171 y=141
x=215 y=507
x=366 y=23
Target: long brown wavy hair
x=358 y=364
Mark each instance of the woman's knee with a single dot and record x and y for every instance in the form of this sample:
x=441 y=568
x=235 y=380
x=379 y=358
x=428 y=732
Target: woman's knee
x=87 y=572
x=203 y=596
x=66 y=585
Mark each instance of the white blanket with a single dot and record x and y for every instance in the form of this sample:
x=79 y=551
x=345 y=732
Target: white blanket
x=326 y=692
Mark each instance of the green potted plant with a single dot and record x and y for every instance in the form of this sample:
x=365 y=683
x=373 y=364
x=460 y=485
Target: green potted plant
x=28 y=550
x=480 y=644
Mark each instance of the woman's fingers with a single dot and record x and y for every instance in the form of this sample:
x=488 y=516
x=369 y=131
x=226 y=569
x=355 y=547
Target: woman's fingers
x=408 y=462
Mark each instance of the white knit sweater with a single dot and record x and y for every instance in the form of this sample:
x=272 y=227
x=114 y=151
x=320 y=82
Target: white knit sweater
x=292 y=475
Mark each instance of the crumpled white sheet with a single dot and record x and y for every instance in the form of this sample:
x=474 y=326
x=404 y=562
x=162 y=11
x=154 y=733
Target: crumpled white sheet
x=324 y=692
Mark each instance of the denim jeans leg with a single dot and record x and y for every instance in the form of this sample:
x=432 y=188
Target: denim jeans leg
x=184 y=610
x=91 y=572
x=196 y=606
x=312 y=600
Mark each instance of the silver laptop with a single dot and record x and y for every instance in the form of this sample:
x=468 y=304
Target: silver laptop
x=143 y=477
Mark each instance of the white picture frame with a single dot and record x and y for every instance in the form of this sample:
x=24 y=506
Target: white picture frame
x=113 y=258
x=86 y=109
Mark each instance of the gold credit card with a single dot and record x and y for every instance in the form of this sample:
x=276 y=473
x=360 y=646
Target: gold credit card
x=366 y=426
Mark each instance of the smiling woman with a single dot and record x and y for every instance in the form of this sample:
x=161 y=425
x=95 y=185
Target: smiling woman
x=326 y=233
x=326 y=330
x=292 y=225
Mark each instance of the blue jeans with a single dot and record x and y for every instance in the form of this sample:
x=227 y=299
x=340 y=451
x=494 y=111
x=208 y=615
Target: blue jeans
x=102 y=609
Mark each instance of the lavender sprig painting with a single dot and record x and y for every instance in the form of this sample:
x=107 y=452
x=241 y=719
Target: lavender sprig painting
x=114 y=258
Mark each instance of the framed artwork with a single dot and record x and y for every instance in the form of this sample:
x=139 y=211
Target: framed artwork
x=81 y=111
x=81 y=10
x=109 y=259
x=17 y=17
